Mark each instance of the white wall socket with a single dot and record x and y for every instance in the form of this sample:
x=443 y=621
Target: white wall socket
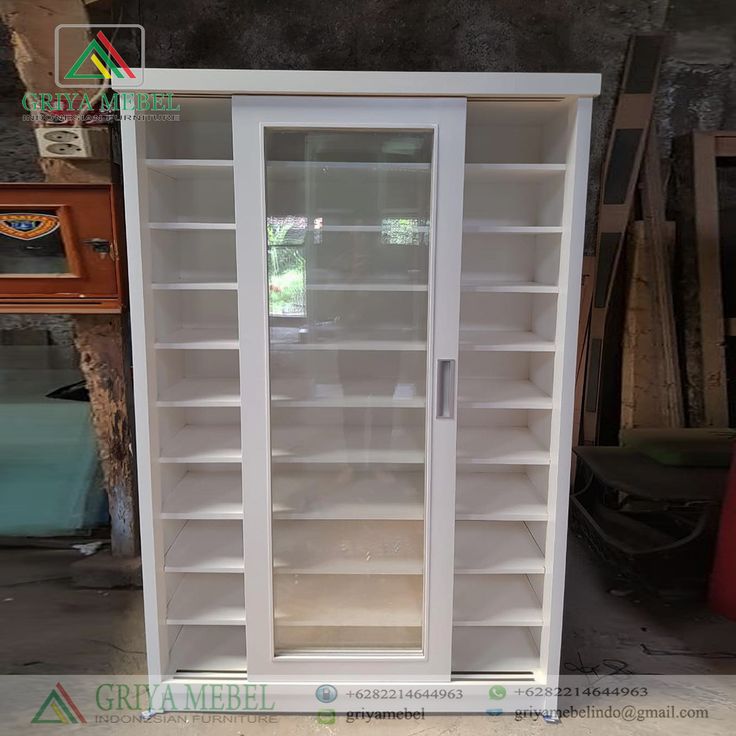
x=65 y=142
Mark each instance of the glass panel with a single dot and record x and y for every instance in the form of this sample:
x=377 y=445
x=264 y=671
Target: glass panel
x=30 y=243
x=348 y=219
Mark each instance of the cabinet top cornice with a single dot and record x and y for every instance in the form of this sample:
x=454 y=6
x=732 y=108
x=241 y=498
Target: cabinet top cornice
x=385 y=84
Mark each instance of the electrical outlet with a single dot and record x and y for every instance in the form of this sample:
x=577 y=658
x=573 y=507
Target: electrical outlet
x=62 y=142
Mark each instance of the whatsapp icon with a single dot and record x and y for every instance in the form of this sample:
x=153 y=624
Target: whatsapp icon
x=497 y=692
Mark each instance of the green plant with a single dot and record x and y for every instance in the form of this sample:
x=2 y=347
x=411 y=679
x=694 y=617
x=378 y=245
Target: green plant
x=286 y=266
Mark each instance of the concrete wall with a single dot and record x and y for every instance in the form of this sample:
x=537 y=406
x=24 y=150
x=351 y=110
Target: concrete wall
x=17 y=145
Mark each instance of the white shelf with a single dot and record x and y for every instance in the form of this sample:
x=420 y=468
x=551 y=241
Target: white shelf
x=504 y=341
x=515 y=171
x=200 y=338
x=191 y=225
x=384 y=601
x=353 y=402
x=356 y=345
x=379 y=287
x=489 y=393
x=499 y=446
x=502 y=547
x=528 y=287
x=495 y=600
x=377 y=166
x=196 y=286
x=209 y=649
x=355 y=495
x=356 y=394
x=207 y=546
x=204 y=168
x=359 y=229
x=208 y=600
x=498 y=497
x=202 y=392
x=494 y=649
x=203 y=443
x=489 y=226
x=205 y=495
x=324 y=639
x=348 y=547
x=351 y=495
x=342 y=445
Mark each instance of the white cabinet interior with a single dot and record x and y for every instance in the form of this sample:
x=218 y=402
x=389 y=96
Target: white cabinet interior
x=516 y=171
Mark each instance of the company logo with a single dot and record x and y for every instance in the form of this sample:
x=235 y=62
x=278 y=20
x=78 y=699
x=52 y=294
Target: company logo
x=494 y=712
x=81 y=62
x=58 y=708
x=326 y=693
x=496 y=692
x=27 y=225
x=326 y=717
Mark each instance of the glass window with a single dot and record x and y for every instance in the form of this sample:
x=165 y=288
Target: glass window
x=30 y=243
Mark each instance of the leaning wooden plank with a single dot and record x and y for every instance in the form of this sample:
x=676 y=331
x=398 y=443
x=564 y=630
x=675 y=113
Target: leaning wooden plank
x=640 y=400
x=620 y=174
x=726 y=143
x=707 y=239
x=655 y=230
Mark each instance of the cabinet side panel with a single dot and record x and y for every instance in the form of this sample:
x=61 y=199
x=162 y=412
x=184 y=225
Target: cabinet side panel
x=573 y=224
x=144 y=391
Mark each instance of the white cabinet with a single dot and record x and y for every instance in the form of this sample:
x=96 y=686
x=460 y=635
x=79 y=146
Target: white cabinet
x=354 y=302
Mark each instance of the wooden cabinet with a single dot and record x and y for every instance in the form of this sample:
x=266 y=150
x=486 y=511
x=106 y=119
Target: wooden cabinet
x=354 y=310
x=60 y=248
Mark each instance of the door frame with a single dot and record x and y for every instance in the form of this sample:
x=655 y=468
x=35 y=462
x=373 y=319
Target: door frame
x=446 y=117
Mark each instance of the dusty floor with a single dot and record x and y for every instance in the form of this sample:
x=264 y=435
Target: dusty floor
x=637 y=634
x=52 y=628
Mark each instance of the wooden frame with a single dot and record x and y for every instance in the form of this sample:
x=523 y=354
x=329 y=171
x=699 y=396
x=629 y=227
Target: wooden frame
x=707 y=148
x=618 y=183
x=656 y=232
x=514 y=307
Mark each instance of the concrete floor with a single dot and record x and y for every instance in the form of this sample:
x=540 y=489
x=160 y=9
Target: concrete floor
x=51 y=628
x=637 y=634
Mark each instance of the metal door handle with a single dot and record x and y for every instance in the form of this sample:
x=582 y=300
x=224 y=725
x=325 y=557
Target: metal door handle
x=101 y=246
x=445 y=389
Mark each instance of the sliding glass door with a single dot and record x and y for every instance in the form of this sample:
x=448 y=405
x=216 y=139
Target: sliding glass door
x=348 y=230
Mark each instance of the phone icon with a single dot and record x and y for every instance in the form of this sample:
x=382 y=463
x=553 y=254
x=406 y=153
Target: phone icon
x=496 y=692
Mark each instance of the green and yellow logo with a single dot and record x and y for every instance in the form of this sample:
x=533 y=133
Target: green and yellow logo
x=105 y=57
x=86 y=55
x=58 y=708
